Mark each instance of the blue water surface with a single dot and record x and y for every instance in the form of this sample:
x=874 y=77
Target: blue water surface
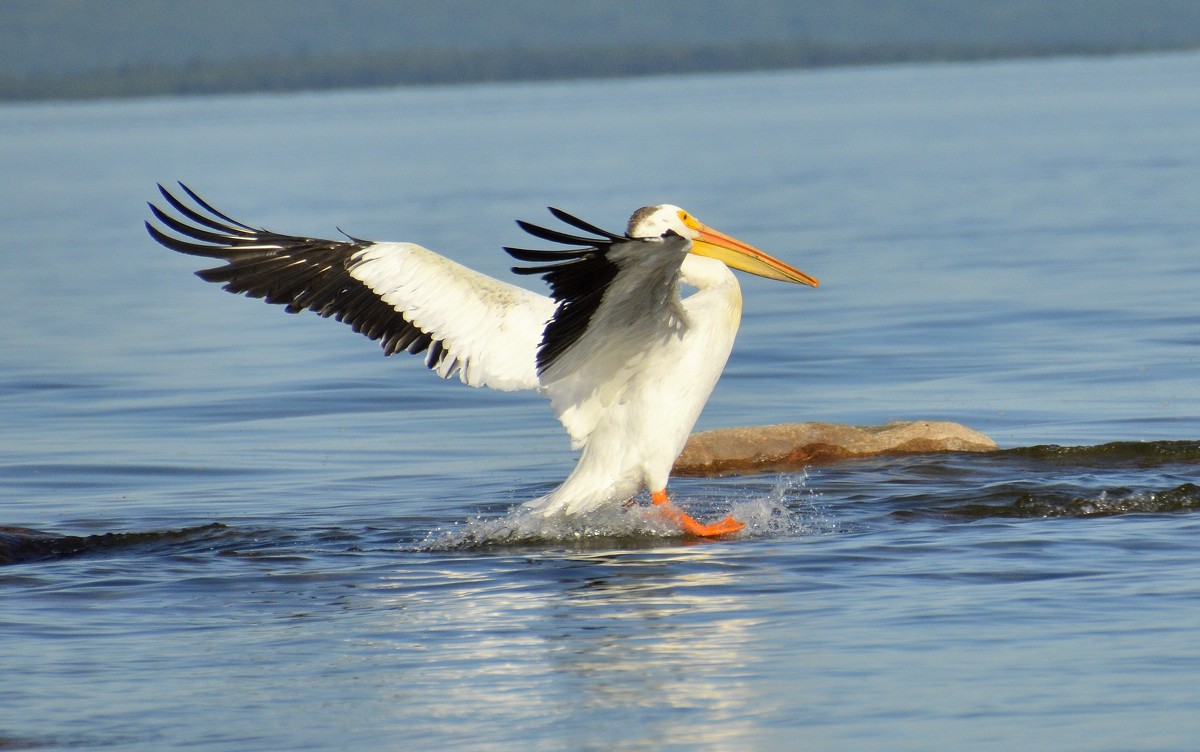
x=261 y=534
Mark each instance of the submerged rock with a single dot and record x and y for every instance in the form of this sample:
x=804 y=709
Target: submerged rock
x=791 y=446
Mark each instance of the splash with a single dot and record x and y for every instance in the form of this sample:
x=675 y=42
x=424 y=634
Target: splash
x=786 y=508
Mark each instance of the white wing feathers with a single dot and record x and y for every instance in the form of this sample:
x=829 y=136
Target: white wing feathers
x=406 y=297
x=490 y=330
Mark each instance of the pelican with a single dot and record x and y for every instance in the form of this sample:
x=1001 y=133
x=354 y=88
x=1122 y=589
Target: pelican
x=626 y=362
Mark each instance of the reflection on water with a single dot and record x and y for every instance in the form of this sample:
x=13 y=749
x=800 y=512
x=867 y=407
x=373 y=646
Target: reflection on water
x=616 y=645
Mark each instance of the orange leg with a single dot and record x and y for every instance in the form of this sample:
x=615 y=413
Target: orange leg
x=688 y=523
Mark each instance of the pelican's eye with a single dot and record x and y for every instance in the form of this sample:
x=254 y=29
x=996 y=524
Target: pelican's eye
x=688 y=220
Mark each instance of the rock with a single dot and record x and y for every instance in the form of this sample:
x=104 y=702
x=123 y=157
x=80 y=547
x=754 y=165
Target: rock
x=791 y=446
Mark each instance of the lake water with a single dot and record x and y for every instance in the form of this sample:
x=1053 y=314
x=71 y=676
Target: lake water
x=271 y=521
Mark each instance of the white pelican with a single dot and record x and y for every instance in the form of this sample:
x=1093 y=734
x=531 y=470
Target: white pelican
x=626 y=362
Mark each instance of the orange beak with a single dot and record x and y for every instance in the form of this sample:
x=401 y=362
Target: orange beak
x=738 y=255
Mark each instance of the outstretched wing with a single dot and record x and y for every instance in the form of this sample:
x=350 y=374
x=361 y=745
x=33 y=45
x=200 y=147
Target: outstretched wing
x=618 y=299
x=407 y=297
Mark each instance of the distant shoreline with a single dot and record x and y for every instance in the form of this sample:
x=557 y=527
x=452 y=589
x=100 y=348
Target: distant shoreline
x=446 y=66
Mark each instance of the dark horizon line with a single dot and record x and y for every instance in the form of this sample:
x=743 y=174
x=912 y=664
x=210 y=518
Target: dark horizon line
x=449 y=66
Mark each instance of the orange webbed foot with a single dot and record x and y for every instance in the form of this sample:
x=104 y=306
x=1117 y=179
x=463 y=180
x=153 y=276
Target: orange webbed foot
x=689 y=524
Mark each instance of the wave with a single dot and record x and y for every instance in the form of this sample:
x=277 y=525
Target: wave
x=1137 y=453
x=1043 y=504
x=19 y=544
x=1052 y=481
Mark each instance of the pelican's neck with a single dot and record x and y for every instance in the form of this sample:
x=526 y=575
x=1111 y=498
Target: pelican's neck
x=704 y=273
x=716 y=285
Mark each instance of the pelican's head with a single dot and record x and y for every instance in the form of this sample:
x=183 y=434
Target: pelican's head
x=658 y=221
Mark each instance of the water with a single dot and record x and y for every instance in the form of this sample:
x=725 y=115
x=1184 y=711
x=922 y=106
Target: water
x=261 y=530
